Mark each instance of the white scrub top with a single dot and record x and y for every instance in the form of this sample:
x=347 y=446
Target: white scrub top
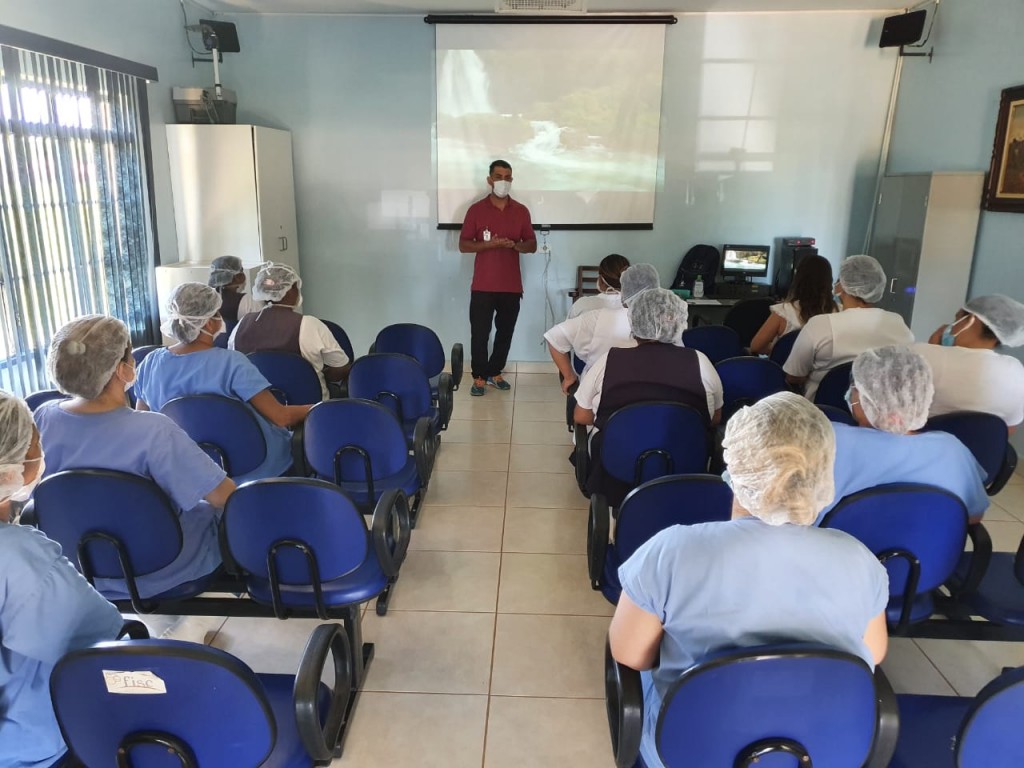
x=592 y=334
x=830 y=340
x=975 y=380
x=790 y=312
x=590 y=303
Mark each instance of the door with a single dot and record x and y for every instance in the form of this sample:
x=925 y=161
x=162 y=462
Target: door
x=896 y=239
x=275 y=189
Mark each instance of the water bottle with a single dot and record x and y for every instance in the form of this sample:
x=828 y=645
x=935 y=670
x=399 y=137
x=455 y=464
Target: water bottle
x=698 y=287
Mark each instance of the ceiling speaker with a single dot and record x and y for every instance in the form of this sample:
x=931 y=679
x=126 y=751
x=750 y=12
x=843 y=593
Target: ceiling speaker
x=541 y=6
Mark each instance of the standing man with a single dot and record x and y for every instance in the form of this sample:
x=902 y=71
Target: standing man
x=497 y=229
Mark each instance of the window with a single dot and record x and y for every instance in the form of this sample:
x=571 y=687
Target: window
x=76 y=234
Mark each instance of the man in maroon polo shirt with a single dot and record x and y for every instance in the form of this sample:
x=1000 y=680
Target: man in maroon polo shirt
x=497 y=229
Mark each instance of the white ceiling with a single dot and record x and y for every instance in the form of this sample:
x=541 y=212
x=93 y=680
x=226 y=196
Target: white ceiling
x=593 y=6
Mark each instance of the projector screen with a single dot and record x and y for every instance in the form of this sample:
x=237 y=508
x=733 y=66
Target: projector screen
x=575 y=109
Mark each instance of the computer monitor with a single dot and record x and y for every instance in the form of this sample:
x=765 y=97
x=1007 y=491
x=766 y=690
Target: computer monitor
x=745 y=261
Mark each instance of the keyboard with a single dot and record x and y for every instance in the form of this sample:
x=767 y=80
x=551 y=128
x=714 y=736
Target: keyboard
x=741 y=291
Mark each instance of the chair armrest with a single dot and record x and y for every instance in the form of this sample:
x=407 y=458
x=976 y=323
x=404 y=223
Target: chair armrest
x=424 y=447
x=321 y=742
x=624 y=702
x=300 y=468
x=391 y=529
x=980 y=557
x=445 y=403
x=1005 y=471
x=597 y=539
x=134 y=630
x=581 y=454
x=457 y=360
x=888 y=727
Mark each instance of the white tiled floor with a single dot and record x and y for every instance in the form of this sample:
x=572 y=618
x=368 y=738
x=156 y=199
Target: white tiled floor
x=492 y=653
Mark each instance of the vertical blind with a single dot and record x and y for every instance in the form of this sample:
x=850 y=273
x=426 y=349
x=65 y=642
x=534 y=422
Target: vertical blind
x=75 y=227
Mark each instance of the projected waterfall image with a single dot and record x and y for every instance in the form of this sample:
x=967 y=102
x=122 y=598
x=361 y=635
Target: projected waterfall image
x=582 y=139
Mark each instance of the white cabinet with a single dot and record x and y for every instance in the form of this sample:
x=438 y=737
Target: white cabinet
x=923 y=236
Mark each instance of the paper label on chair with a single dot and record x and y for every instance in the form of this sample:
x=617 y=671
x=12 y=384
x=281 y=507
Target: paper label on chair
x=133 y=682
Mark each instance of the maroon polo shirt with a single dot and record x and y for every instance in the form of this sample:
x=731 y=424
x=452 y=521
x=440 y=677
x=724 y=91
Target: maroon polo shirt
x=497 y=269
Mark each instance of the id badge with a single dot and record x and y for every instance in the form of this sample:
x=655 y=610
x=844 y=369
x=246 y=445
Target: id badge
x=487 y=235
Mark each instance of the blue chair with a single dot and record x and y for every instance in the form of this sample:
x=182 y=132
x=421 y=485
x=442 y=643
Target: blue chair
x=205 y=707
x=987 y=438
x=783 y=346
x=399 y=383
x=292 y=379
x=114 y=525
x=341 y=337
x=360 y=447
x=578 y=364
x=964 y=732
x=785 y=705
x=420 y=342
x=838 y=415
x=745 y=380
x=139 y=353
x=718 y=342
x=37 y=399
x=832 y=388
x=223 y=427
x=221 y=340
x=647 y=510
x=917 y=531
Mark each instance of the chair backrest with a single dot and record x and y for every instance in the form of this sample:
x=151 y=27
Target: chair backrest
x=990 y=734
x=416 y=341
x=578 y=364
x=716 y=341
x=644 y=441
x=36 y=399
x=667 y=501
x=96 y=513
x=345 y=438
x=769 y=701
x=984 y=434
x=292 y=379
x=394 y=380
x=917 y=531
x=837 y=415
x=341 y=337
x=221 y=339
x=223 y=427
x=745 y=380
x=783 y=346
x=832 y=388
x=139 y=353
x=746 y=318
x=201 y=701
x=262 y=534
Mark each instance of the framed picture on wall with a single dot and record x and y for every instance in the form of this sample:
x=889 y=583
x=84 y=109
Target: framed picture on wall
x=1005 y=189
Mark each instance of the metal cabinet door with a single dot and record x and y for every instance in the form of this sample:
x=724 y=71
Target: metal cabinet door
x=896 y=239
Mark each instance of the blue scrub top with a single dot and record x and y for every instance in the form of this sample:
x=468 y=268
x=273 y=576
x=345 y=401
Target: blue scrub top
x=866 y=457
x=149 y=445
x=163 y=376
x=46 y=610
x=742 y=583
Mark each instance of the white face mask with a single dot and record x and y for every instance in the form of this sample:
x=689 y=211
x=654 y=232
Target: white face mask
x=129 y=384
x=221 y=328
x=24 y=493
x=501 y=188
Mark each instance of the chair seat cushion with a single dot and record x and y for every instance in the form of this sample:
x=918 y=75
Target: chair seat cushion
x=288 y=749
x=181 y=592
x=409 y=426
x=405 y=479
x=928 y=725
x=364 y=583
x=1000 y=597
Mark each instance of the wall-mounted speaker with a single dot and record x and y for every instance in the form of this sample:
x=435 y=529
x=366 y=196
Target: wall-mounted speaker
x=905 y=29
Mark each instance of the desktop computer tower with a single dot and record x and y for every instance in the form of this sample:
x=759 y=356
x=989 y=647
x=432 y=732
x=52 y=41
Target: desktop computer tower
x=788 y=254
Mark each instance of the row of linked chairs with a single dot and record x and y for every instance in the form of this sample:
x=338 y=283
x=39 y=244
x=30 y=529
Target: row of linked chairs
x=318 y=543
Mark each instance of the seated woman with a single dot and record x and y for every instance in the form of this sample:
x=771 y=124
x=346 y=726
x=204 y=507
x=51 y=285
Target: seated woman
x=194 y=366
x=890 y=392
x=592 y=334
x=969 y=372
x=46 y=607
x=609 y=272
x=91 y=360
x=833 y=339
x=228 y=278
x=280 y=327
x=763 y=577
x=657 y=368
x=809 y=296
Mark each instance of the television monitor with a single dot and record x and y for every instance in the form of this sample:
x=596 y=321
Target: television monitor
x=745 y=261
x=904 y=29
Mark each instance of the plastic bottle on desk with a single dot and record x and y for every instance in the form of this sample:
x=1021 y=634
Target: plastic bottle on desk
x=698 y=287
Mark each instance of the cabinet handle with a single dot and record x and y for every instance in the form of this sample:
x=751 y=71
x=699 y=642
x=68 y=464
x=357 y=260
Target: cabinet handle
x=891 y=284
x=284 y=243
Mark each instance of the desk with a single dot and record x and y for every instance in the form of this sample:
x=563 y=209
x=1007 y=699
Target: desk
x=709 y=311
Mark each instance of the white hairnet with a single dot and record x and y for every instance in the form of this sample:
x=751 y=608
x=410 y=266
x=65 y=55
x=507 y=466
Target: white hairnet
x=1003 y=316
x=863 y=277
x=16 y=430
x=84 y=354
x=273 y=281
x=895 y=388
x=658 y=315
x=781 y=455
x=223 y=270
x=190 y=308
x=637 y=279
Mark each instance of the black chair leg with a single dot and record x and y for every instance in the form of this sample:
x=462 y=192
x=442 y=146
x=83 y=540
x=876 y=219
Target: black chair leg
x=362 y=655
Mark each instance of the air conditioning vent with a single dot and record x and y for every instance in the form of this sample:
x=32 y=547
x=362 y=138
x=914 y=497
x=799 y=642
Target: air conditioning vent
x=541 y=6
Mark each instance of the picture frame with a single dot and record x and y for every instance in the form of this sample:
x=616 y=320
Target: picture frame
x=1004 y=189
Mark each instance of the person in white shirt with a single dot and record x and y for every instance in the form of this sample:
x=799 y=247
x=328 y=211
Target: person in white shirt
x=830 y=340
x=593 y=333
x=809 y=296
x=969 y=374
x=280 y=327
x=609 y=273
